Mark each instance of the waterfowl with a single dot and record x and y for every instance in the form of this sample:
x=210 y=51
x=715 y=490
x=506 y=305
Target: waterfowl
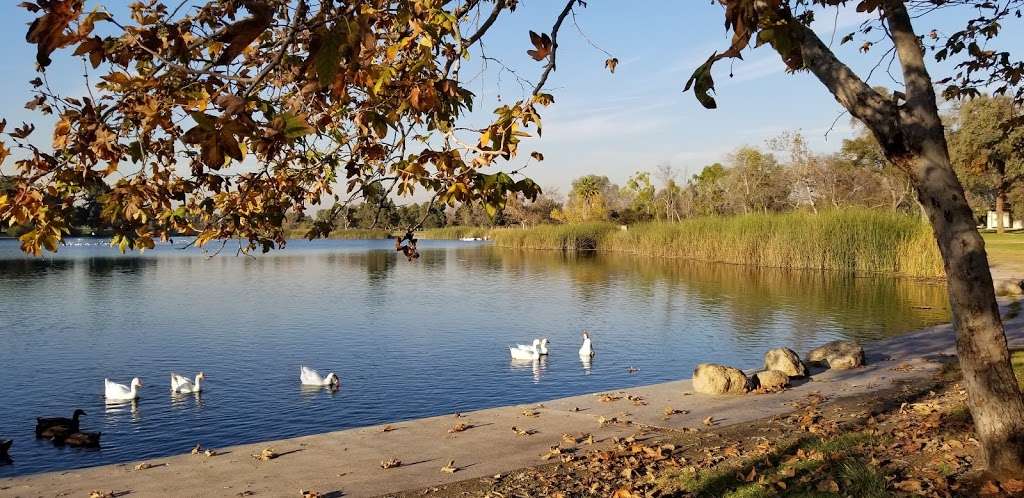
x=310 y=377
x=83 y=439
x=120 y=392
x=5 y=448
x=43 y=423
x=182 y=384
x=587 y=349
x=523 y=352
x=541 y=345
x=57 y=433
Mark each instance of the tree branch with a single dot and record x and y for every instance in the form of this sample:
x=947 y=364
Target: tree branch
x=554 y=47
x=856 y=96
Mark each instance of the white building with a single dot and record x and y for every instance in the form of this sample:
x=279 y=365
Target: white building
x=1008 y=222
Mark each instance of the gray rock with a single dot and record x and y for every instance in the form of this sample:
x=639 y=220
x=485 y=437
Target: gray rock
x=771 y=380
x=838 y=355
x=709 y=378
x=786 y=361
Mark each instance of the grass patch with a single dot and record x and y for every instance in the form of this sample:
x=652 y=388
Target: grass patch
x=453 y=233
x=1017 y=360
x=857 y=240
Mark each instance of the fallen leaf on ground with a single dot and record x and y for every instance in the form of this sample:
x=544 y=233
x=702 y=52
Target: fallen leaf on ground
x=523 y=432
x=266 y=454
x=309 y=493
x=450 y=468
x=388 y=428
x=210 y=453
x=390 y=463
x=530 y=413
x=1013 y=486
x=552 y=453
x=143 y=466
x=460 y=427
x=709 y=421
x=101 y=494
x=608 y=398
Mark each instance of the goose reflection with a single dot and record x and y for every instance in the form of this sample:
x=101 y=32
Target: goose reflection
x=116 y=409
x=308 y=393
x=537 y=367
x=184 y=400
x=587 y=362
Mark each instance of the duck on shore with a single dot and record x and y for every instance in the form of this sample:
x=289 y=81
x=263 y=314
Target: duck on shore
x=72 y=424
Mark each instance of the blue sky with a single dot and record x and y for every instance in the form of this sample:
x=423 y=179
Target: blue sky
x=601 y=123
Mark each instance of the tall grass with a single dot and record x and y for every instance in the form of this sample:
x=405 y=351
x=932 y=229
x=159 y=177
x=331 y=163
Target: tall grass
x=453 y=233
x=858 y=240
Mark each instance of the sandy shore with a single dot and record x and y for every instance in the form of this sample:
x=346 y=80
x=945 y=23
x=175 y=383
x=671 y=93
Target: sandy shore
x=348 y=463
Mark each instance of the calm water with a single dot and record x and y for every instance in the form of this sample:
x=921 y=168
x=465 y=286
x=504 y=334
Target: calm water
x=408 y=339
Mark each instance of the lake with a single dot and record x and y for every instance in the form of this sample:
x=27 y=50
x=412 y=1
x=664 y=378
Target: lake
x=408 y=340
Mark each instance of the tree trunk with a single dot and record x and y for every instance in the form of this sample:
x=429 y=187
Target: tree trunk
x=1000 y=208
x=912 y=137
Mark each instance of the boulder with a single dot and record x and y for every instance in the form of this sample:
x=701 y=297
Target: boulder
x=709 y=378
x=786 y=361
x=838 y=355
x=771 y=380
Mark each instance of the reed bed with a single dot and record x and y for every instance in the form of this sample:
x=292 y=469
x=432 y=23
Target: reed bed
x=857 y=240
x=453 y=232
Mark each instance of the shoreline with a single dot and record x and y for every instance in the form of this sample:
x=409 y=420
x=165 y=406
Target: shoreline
x=348 y=461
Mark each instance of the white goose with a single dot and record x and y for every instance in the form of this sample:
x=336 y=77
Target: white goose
x=523 y=352
x=541 y=345
x=310 y=377
x=120 y=392
x=182 y=384
x=587 y=349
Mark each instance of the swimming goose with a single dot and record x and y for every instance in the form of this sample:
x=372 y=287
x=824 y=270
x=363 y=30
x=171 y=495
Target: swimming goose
x=523 y=352
x=586 y=350
x=83 y=439
x=120 y=392
x=182 y=384
x=43 y=423
x=310 y=377
x=541 y=345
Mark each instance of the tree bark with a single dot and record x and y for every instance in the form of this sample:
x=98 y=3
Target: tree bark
x=911 y=135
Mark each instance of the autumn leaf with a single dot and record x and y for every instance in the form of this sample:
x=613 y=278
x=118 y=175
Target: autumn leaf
x=450 y=468
x=239 y=35
x=49 y=32
x=611 y=63
x=390 y=463
x=542 y=46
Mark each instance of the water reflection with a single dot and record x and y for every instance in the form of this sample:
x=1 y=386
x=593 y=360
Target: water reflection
x=409 y=339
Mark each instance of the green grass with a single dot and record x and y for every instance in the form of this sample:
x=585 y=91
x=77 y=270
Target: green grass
x=1017 y=360
x=857 y=240
x=299 y=232
x=841 y=457
x=1005 y=252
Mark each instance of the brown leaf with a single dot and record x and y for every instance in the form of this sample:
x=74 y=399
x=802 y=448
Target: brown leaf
x=542 y=44
x=390 y=463
x=1013 y=486
x=611 y=63
x=450 y=468
x=239 y=35
x=49 y=31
